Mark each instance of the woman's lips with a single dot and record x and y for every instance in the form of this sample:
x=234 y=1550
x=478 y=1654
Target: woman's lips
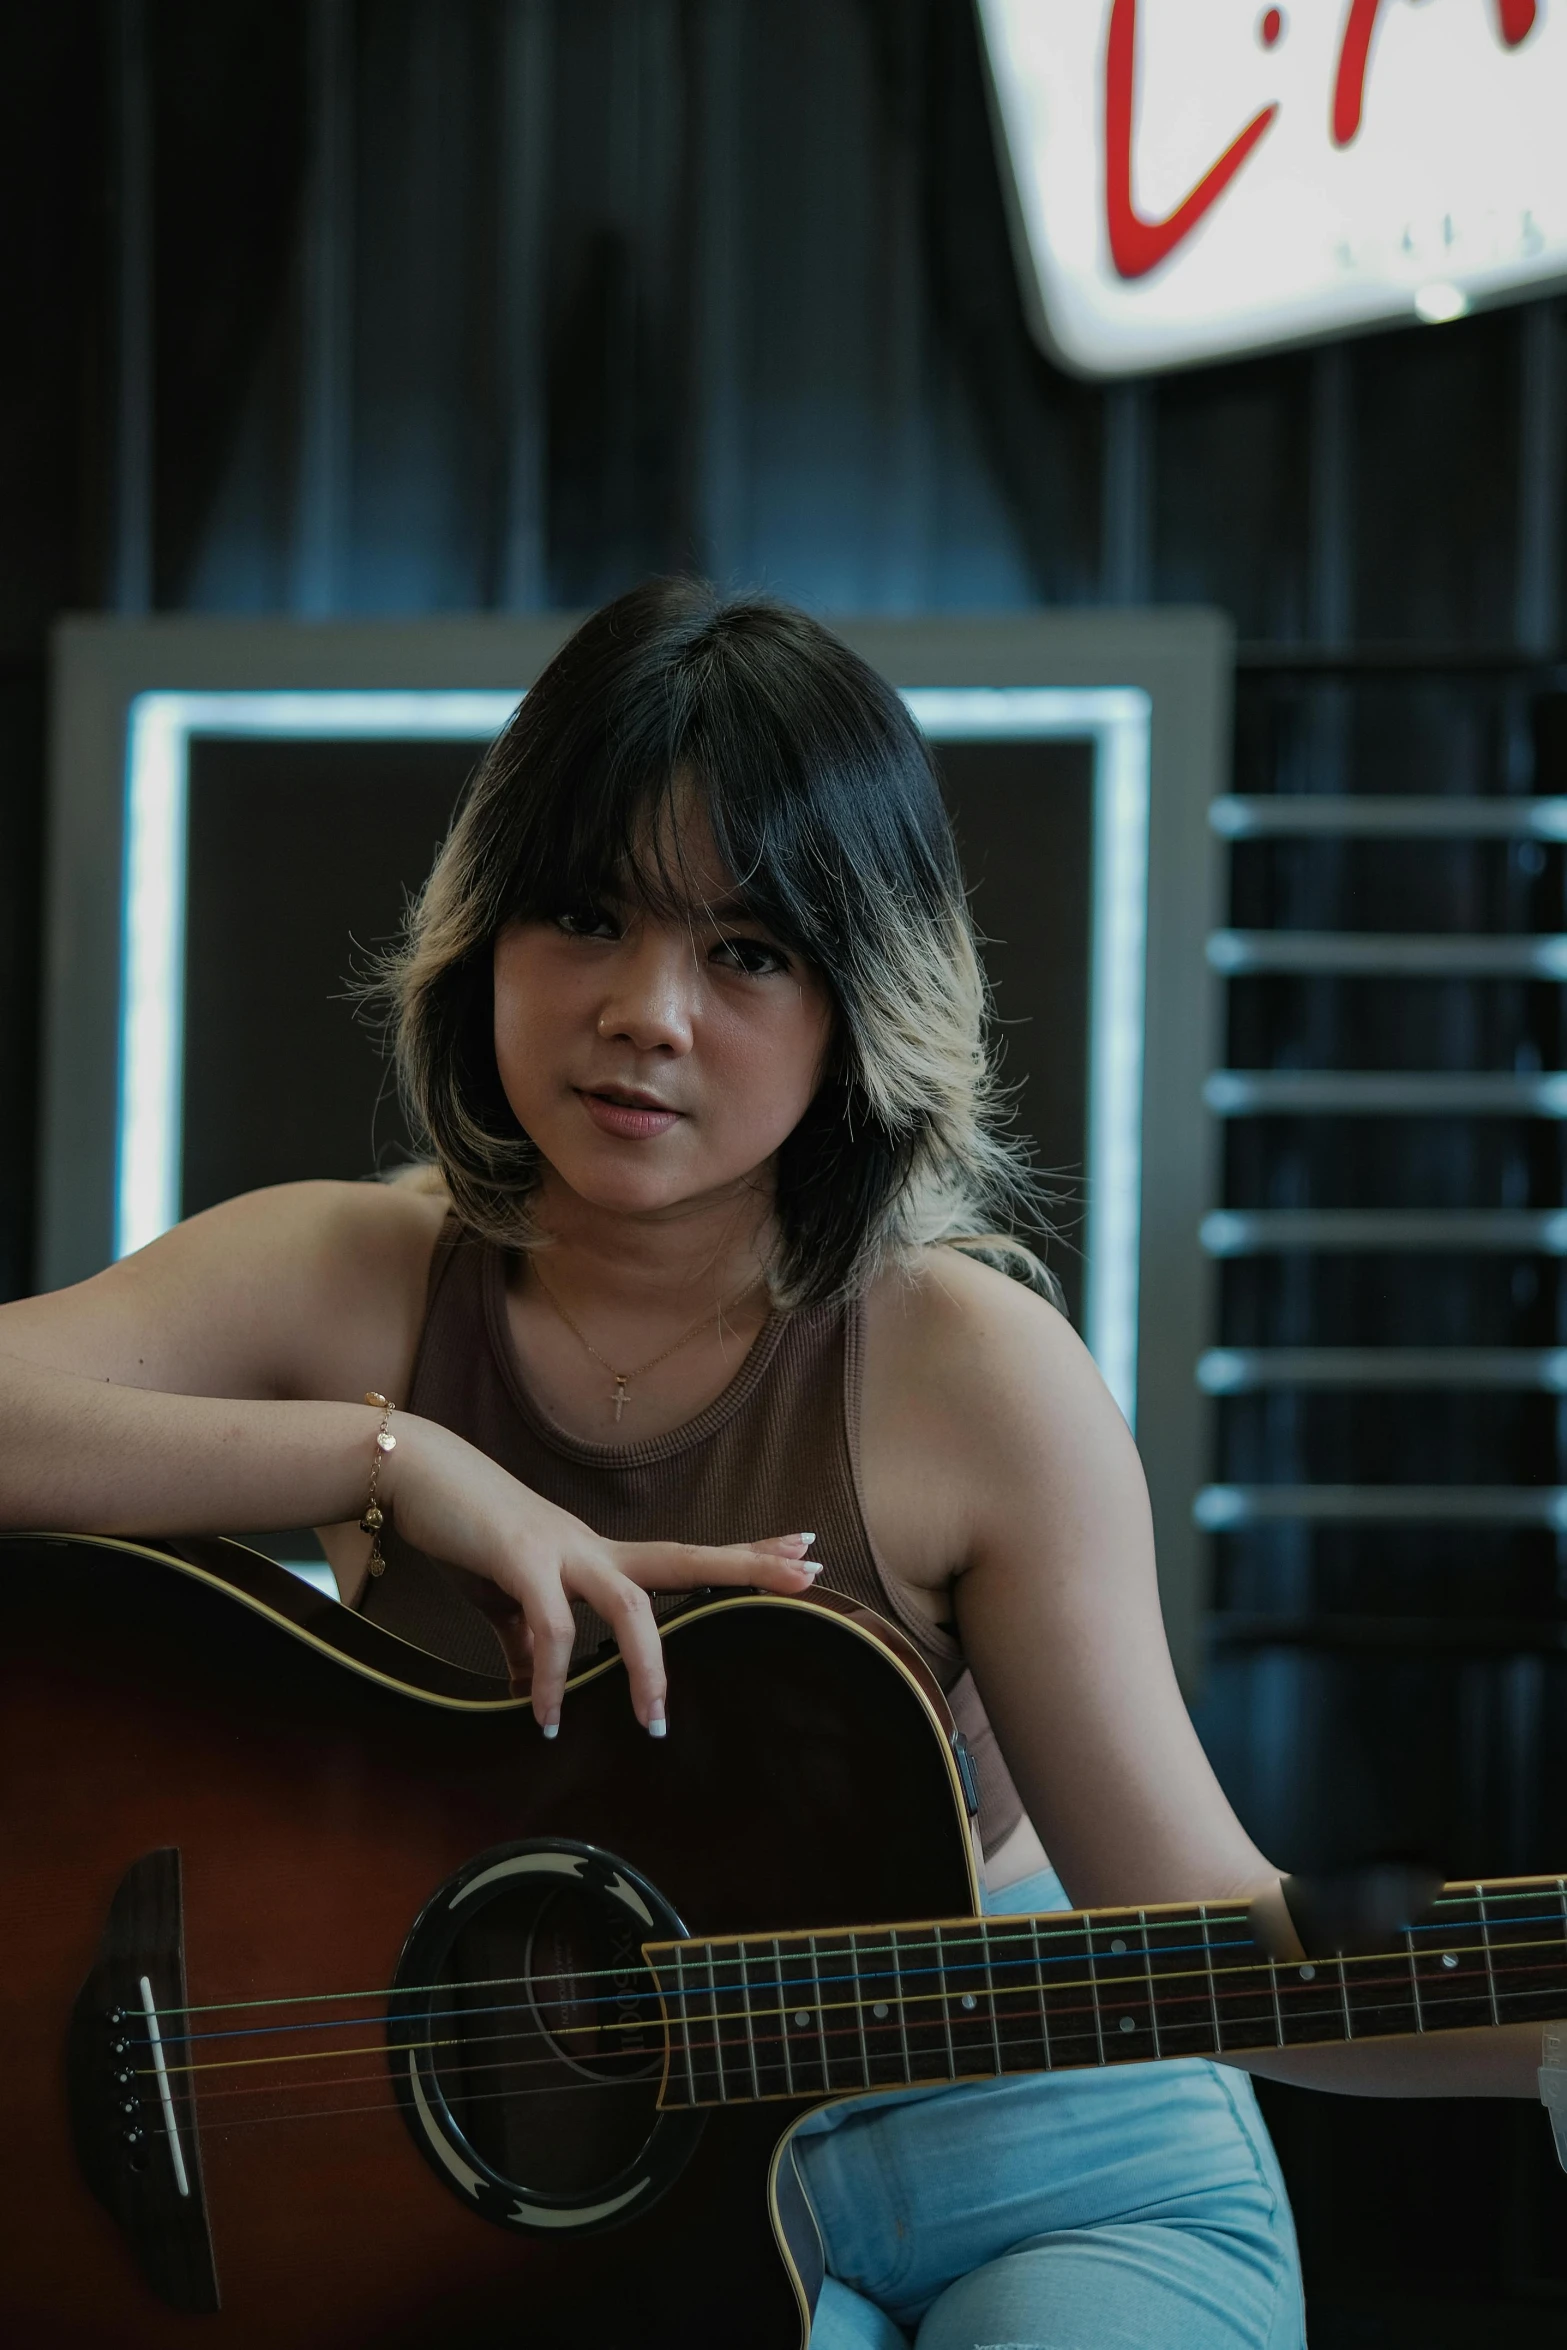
x=626 y=1119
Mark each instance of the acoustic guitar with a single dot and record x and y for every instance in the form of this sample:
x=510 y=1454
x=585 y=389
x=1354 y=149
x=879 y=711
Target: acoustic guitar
x=340 y=2009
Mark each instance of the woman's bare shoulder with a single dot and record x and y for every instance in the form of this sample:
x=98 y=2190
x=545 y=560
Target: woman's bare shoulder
x=958 y=1331
x=979 y=1403
x=285 y=1291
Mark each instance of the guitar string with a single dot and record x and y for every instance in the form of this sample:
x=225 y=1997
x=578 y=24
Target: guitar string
x=1000 y=1928
x=1064 y=1930
x=1290 y=1981
x=612 y=1998
x=872 y=1979
x=1032 y=2045
x=1058 y=2014
x=1264 y=1982
x=1260 y=1973
x=1291 y=1987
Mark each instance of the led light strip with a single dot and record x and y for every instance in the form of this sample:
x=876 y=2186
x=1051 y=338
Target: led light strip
x=1117 y=719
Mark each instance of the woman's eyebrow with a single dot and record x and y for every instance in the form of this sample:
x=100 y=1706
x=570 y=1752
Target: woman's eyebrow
x=733 y=906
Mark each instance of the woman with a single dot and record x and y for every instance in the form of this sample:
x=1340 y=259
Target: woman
x=691 y=1016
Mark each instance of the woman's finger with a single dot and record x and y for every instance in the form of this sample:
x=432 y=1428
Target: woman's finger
x=552 y=1631
x=517 y=1647
x=778 y=1564
x=625 y=1608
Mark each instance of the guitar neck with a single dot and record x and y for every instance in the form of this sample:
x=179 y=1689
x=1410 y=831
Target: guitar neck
x=889 y=2007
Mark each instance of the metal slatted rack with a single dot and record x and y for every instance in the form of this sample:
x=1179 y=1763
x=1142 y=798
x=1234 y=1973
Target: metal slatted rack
x=1366 y=1382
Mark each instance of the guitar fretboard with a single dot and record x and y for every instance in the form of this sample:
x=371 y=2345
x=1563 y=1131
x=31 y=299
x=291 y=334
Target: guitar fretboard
x=890 y=2007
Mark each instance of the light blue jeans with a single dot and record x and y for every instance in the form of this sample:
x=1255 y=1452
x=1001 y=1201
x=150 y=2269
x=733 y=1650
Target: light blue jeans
x=1136 y=2209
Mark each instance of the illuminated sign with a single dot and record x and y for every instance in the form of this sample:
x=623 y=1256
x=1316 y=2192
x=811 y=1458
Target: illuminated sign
x=1193 y=178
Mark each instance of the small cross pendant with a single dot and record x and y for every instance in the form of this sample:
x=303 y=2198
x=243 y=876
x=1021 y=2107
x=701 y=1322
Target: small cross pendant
x=620 y=1397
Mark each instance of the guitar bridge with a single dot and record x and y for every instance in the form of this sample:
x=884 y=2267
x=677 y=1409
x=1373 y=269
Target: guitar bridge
x=133 y=2117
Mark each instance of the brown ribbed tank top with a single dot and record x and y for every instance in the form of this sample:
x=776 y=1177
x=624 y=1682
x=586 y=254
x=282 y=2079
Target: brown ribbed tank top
x=779 y=1448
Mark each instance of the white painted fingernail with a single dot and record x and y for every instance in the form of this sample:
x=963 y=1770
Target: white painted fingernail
x=810 y=1566
x=658 y=1728
x=807 y=1539
x=551 y=1726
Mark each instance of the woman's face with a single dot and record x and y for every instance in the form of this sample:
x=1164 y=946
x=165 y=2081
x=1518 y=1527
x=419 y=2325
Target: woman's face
x=656 y=1060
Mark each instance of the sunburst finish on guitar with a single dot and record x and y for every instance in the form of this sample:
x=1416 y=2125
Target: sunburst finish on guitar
x=382 y=2161
x=341 y=2009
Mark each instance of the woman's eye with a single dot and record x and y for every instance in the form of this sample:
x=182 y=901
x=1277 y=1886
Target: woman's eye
x=751 y=955
x=587 y=922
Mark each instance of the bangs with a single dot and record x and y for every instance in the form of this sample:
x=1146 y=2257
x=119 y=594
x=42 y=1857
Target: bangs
x=646 y=823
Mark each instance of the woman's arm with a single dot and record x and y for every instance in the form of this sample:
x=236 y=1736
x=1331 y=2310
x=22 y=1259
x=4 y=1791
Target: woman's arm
x=214 y=1380
x=999 y=1404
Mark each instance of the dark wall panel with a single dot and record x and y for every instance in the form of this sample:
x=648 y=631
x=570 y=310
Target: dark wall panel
x=301 y=858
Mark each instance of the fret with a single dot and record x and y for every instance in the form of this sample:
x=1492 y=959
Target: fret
x=1450 y=1968
x=881 y=2019
x=857 y=1993
x=1092 y=1979
x=1213 y=1988
x=1179 y=1963
x=1123 y=2012
x=924 y=2005
x=989 y=2001
x=944 y=1993
x=1414 y=1978
x=903 y=2019
x=1249 y=2000
x=1039 y=1980
x=1012 y=1972
x=1153 y=1998
x=971 y=2030
x=1343 y=1994
x=821 y=2010
x=1067 y=1989
x=775 y=2015
x=742 y=1965
x=799 y=2002
x=1311 y=2000
x=1485 y=1945
x=697 y=2070
x=1524 y=1940
x=718 y=2028
x=842 y=2032
x=1377 y=1990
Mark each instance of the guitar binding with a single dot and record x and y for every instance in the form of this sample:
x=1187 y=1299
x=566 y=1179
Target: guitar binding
x=527 y=2040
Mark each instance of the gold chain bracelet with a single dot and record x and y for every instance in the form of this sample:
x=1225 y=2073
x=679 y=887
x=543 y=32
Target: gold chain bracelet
x=375 y=1517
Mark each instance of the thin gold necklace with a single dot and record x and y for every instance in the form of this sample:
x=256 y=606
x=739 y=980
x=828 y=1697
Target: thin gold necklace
x=623 y=1379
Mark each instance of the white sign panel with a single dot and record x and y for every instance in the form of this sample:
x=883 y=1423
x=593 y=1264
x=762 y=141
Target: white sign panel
x=1199 y=177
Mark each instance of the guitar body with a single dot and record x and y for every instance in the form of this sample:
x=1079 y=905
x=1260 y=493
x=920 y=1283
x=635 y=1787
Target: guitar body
x=321 y=1782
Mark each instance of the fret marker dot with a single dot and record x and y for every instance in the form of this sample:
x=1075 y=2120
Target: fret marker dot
x=968 y=1998
x=1450 y=1959
x=1308 y=1974
x=1119 y=1947
x=1128 y=2023
x=879 y=2011
x=800 y=2016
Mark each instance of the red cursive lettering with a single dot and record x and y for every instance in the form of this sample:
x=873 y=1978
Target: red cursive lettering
x=1515 y=20
x=1138 y=245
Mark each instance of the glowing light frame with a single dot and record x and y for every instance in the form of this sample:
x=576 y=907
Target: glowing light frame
x=1117 y=719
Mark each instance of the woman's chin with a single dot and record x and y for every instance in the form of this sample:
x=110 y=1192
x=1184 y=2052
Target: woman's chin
x=628 y=1189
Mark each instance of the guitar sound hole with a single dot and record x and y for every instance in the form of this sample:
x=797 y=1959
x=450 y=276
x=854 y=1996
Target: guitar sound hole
x=527 y=2040
x=557 y=2046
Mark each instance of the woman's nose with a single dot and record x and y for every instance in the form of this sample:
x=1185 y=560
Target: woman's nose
x=649 y=1001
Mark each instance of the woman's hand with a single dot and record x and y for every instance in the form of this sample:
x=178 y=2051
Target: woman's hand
x=531 y=1560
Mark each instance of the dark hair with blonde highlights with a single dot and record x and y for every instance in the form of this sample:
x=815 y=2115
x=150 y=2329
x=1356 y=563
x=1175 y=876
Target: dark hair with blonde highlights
x=823 y=805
